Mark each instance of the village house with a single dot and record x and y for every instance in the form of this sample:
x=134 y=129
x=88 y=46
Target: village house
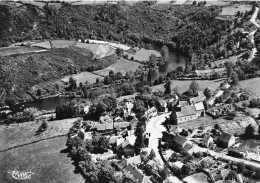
x=127 y=146
x=133 y=171
x=211 y=101
x=164 y=107
x=186 y=113
x=133 y=122
x=179 y=142
x=200 y=98
x=200 y=110
x=129 y=106
x=207 y=140
x=226 y=140
x=183 y=104
x=151 y=112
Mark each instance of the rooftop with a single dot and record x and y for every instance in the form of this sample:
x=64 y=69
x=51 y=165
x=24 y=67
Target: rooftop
x=186 y=111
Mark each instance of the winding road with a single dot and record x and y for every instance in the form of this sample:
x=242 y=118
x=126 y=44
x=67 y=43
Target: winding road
x=155 y=128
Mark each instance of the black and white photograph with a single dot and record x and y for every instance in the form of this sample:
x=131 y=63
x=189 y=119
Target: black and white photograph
x=129 y=91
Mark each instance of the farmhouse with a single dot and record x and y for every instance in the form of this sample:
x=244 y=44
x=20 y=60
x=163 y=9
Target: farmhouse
x=187 y=113
x=226 y=140
x=183 y=103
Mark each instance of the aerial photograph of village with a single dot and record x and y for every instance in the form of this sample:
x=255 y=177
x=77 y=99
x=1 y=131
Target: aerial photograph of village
x=129 y=91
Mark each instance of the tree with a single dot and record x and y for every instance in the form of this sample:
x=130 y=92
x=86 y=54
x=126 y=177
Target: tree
x=39 y=92
x=194 y=87
x=44 y=125
x=139 y=133
x=81 y=134
x=72 y=83
x=167 y=87
x=235 y=79
x=103 y=144
x=208 y=92
x=83 y=155
x=185 y=169
x=165 y=53
x=160 y=80
x=194 y=3
x=152 y=155
x=240 y=167
x=229 y=67
x=64 y=111
x=249 y=131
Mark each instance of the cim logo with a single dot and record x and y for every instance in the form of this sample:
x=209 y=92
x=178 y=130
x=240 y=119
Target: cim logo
x=19 y=175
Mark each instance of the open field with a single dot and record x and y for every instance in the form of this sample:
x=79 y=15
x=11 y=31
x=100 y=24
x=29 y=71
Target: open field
x=62 y=43
x=142 y=55
x=210 y=2
x=251 y=85
x=83 y=77
x=233 y=9
x=7 y=51
x=25 y=133
x=184 y=85
x=121 y=65
x=45 y=159
x=45 y=44
x=99 y=50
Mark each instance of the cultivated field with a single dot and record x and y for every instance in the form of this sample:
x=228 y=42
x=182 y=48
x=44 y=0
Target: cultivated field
x=210 y=2
x=121 y=65
x=45 y=44
x=142 y=55
x=46 y=159
x=184 y=85
x=83 y=77
x=25 y=133
x=252 y=86
x=7 y=51
x=62 y=43
x=99 y=50
x=233 y=9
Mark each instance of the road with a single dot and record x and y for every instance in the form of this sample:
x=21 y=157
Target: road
x=155 y=128
x=233 y=159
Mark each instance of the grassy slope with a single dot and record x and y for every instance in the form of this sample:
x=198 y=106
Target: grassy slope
x=251 y=85
x=25 y=133
x=184 y=85
x=44 y=159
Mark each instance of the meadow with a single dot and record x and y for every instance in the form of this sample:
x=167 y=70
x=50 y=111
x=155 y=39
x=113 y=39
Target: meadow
x=251 y=85
x=83 y=77
x=25 y=133
x=142 y=55
x=233 y=9
x=47 y=159
x=184 y=85
x=121 y=65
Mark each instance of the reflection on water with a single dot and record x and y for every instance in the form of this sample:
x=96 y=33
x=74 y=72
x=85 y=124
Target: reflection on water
x=44 y=104
x=175 y=60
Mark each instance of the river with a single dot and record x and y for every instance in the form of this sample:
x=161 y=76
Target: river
x=43 y=104
x=175 y=60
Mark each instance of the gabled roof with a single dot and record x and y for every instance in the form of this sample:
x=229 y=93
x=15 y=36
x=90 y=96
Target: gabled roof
x=180 y=140
x=136 y=160
x=186 y=111
x=225 y=137
x=183 y=103
x=109 y=126
x=199 y=106
x=101 y=127
x=198 y=99
x=133 y=121
x=122 y=164
x=137 y=176
x=187 y=146
x=113 y=139
x=121 y=124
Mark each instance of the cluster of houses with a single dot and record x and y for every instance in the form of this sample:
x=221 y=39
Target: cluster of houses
x=186 y=111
